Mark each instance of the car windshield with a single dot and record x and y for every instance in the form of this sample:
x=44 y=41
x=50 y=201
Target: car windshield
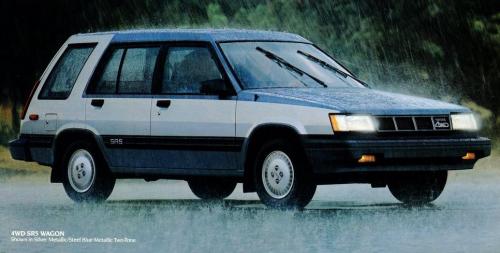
x=268 y=64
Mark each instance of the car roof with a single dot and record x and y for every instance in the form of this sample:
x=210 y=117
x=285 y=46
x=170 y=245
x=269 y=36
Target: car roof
x=207 y=35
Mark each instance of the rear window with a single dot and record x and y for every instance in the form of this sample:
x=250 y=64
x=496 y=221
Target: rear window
x=67 y=69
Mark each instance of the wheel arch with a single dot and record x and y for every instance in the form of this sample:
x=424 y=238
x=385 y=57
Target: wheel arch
x=258 y=136
x=62 y=140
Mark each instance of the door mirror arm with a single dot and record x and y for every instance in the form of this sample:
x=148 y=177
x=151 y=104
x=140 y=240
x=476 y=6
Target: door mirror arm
x=216 y=87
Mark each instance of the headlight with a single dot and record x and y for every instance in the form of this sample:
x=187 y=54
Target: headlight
x=357 y=123
x=464 y=121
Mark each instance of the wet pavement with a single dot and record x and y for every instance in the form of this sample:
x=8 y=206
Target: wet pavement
x=165 y=216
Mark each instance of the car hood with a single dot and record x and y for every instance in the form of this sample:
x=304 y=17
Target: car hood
x=353 y=100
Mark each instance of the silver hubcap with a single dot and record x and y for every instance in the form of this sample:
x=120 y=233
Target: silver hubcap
x=277 y=174
x=81 y=170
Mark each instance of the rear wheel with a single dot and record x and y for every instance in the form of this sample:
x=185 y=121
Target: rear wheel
x=86 y=177
x=211 y=188
x=417 y=188
x=282 y=177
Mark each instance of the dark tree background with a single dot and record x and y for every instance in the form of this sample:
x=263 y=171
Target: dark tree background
x=448 y=50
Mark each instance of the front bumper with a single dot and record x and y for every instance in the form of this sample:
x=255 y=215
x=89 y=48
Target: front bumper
x=329 y=154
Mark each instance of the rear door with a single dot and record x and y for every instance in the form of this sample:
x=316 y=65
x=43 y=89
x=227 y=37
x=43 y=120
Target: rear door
x=118 y=104
x=193 y=124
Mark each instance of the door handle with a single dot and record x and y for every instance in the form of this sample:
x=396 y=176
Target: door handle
x=163 y=103
x=97 y=102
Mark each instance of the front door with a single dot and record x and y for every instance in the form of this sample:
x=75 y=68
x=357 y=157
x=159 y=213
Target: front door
x=193 y=114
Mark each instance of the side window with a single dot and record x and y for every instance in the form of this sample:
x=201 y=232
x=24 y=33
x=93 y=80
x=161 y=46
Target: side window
x=188 y=69
x=127 y=71
x=107 y=83
x=64 y=74
x=137 y=70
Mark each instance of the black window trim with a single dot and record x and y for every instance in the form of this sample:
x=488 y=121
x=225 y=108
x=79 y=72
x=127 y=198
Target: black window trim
x=119 y=74
x=91 y=45
x=158 y=70
x=157 y=90
x=105 y=59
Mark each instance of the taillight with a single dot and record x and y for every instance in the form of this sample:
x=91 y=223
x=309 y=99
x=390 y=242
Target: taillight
x=28 y=101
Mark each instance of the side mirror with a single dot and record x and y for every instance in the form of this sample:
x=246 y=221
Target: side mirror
x=214 y=87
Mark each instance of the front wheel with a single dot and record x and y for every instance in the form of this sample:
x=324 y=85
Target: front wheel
x=282 y=177
x=86 y=177
x=417 y=188
x=212 y=188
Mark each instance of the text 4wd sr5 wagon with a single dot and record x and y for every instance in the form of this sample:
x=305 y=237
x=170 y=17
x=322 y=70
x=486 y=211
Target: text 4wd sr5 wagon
x=218 y=107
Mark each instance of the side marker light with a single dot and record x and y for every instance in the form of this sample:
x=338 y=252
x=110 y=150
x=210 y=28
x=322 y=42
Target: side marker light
x=367 y=159
x=469 y=156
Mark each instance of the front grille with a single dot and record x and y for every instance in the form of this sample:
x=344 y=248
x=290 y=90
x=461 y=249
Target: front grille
x=404 y=123
x=413 y=123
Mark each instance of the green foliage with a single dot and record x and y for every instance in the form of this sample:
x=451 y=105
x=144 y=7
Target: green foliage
x=7 y=123
x=442 y=49
x=487 y=121
x=434 y=50
x=216 y=17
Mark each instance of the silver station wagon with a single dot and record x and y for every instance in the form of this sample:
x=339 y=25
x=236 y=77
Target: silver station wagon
x=219 y=107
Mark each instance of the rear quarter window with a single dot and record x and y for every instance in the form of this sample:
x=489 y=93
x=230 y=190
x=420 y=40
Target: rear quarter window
x=63 y=76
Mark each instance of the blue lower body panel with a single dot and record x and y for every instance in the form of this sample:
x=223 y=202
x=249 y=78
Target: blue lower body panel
x=36 y=148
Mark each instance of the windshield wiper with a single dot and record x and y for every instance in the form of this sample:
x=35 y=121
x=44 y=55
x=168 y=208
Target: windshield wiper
x=283 y=63
x=330 y=67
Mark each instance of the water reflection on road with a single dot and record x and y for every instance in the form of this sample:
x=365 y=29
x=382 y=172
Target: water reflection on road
x=165 y=216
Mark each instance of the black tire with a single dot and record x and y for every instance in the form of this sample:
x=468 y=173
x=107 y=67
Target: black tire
x=302 y=185
x=418 y=188
x=103 y=182
x=212 y=188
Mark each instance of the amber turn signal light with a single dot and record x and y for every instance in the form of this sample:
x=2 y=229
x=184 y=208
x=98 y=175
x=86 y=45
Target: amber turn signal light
x=469 y=156
x=367 y=159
